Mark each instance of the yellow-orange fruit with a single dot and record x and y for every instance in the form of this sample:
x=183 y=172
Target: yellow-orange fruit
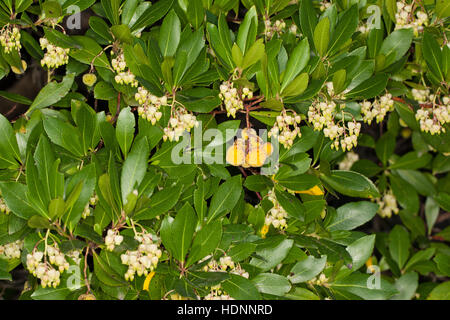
x=406 y=133
x=148 y=280
x=314 y=191
x=256 y=158
x=236 y=155
x=268 y=149
x=264 y=231
x=247 y=133
x=89 y=79
x=18 y=71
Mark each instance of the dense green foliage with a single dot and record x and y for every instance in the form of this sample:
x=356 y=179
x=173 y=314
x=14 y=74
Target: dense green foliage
x=354 y=94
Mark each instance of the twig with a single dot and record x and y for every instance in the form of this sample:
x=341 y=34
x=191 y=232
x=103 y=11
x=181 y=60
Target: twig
x=247 y=117
x=11 y=111
x=86 y=280
x=243 y=172
x=422 y=105
x=97 y=56
x=443 y=217
x=261 y=99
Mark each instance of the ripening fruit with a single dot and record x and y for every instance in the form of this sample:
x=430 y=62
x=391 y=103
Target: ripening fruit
x=323 y=214
x=314 y=191
x=246 y=133
x=256 y=158
x=402 y=123
x=147 y=281
x=268 y=149
x=87 y=297
x=17 y=71
x=72 y=170
x=264 y=231
x=236 y=155
x=255 y=142
x=406 y=133
x=370 y=265
x=89 y=79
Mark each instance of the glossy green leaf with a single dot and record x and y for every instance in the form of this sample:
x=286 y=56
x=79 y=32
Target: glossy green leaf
x=351 y=184
x=307 y=269
x=297 y=61
x=52 y=93
x=322 y=36
x=272 y=284
x=134 y=168
x=344 y=29
x=125 y=130
x=353 y=215
x=205 y=241
x=399 y=245
x=271 y=254
x=170 y=34
x=225 y=198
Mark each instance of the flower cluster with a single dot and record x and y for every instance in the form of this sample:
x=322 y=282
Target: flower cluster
x=150 y=105
x=144 y=260
x=123 y=76
x=321 y=280
x=434 y=113
x=93 y=200
x=49 y=276
x=405 y=19
x=420 y=95
x=348 y=139
x=332 y=93
x=388 y=205
x=364 y=28
x=277 y=216
x=113 y=239
x=50 y=21
x=177 y=296
x=232 y=99
x=47 y=266
x=293 y=29
x=344 y=135
x=225 y=264
x=75 y=256
x=217 y=293
x=87 y=210
x=272 y=29
x=321 y=114
x=348 y=161
x=180 y=122
x=55 y=56
x=11 y=250
x=434 y=120
x=286 y=128
x=378 y=109
x=324 y=5
x=3 y=207
x=10 y=39
x=57 y=258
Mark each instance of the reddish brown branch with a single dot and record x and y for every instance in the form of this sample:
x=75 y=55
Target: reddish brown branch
x=422 y=105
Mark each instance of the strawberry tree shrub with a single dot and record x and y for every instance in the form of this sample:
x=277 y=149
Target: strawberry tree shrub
x=226 y=149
